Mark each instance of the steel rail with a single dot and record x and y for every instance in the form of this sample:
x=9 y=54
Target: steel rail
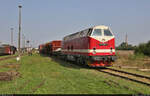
x=126 y=77
x=5 y=58
x=9 y=57
x=137 y=75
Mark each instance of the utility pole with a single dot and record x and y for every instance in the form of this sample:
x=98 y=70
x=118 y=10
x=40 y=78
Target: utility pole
x=11 y=35
x=19 y=29
x=28 y=46
x=23 y=41
x=126 y=40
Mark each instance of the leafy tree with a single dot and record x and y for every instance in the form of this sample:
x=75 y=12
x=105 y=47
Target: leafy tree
x=124 y=46
x=143 y=48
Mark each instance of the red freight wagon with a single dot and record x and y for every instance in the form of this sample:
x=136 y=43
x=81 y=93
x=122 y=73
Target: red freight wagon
x=41 y=48
x=47 y=48
x=50 y=48
x=7 y=50
x=94 y=46
x=55 y=46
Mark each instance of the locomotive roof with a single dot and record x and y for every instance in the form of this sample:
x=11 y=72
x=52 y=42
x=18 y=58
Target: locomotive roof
x=101 y=27
x=95 y=27
x=53 y=41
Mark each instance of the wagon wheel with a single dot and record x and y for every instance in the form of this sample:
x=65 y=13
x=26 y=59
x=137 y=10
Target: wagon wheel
x=11 y=52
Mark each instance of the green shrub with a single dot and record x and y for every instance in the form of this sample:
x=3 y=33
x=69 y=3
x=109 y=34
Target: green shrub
x=143 y=48
x=136 y=56
x=124 y=46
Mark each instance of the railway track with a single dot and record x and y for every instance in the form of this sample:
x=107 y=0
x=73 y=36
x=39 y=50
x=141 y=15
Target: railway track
x=127 y=75
x=5 y=58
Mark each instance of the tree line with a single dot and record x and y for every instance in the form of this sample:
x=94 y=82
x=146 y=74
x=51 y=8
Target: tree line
x=143 y=48
x=125 y=46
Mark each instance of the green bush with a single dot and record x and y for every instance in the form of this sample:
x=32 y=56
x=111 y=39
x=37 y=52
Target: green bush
x=143 y=48
x=136 y=56
x=124 y=46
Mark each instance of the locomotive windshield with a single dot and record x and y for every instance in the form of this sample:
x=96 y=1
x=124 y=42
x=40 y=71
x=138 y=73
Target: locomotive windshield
x=97 y=32
x=107 y=32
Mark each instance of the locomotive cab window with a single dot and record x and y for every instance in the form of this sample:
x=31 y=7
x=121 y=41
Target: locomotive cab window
x=97 y=32
x=107 y=32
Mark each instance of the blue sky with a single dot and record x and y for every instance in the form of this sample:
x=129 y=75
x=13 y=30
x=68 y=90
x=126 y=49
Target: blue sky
x=46 y=20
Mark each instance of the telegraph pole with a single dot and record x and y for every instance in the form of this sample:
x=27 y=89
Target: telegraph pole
x=19 y=29
x=11 y=35
x=126 y=40
x=28 y=46
x=23 y=41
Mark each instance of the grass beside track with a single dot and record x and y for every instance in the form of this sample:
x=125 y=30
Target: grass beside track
x=45 y=75
x=130 y=62
x=3 y=56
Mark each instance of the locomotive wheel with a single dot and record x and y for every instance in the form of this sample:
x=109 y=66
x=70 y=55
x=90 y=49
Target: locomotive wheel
x=11 y=53
x=81 y=61
x=85 y=63
x=78 y=61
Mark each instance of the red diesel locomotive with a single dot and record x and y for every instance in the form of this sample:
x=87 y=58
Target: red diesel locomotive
x=94 y=47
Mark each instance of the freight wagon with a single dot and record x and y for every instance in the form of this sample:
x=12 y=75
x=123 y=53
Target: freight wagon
x=50 y=48
x=7 y=50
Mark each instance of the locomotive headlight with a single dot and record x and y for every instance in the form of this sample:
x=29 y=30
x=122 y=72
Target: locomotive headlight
x=94 y=50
